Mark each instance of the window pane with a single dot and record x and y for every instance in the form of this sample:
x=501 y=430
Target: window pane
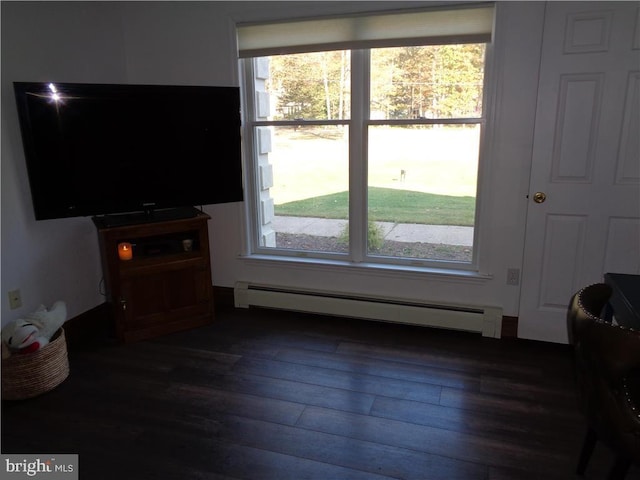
x=309 y=190
x=310 y=86
x=438 y=81
x=422 y=191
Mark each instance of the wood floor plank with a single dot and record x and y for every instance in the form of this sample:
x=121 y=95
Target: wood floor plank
x=426 y=356
x=526 y=389
x=340 y=379
x=296 y=392
x=507 y=405
x=204 y=401
x=347 y=451
x=383 y=368
x=510 y=429
x=441 y=442
x=222 y=456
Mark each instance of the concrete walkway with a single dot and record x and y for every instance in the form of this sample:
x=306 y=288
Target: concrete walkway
x=399 y=232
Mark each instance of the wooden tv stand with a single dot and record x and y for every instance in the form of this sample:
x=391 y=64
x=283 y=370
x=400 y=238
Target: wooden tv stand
x=166 y=286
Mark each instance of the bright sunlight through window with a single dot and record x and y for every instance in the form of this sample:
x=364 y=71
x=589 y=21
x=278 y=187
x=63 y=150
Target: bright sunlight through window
x=368 y=155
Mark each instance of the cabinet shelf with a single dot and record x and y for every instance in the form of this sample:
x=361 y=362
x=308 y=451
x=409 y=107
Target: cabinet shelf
x=166 y=285
x=186 y=242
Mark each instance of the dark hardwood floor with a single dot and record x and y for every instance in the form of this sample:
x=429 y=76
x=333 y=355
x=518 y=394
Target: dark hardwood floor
x=275 y=395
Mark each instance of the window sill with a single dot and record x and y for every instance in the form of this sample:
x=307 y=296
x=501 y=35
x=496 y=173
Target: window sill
x=367 y=268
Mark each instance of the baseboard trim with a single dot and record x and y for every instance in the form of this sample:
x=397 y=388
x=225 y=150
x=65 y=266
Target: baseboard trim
x=95 y=326
x=223 y=297
x=509 y=327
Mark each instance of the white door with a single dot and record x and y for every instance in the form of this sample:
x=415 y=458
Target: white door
x=586 y=160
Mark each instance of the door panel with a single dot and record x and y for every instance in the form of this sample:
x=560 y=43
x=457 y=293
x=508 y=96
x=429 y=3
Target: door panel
x=579 y=103
x=585 y=159
x=628 y=169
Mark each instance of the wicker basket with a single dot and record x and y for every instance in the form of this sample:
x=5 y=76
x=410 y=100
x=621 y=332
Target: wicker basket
x=31 y=374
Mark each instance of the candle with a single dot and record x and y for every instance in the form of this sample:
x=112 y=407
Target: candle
x=125 y=252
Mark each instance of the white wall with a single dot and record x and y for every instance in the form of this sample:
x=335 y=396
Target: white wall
x=193 y=43
x=54 y=259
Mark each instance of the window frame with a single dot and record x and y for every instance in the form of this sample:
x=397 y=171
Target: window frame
x=358 y=124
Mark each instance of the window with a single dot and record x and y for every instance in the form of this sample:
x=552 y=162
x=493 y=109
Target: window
x=364 y=147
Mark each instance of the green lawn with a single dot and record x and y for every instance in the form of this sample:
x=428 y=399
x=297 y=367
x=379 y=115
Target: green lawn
x=389 y=205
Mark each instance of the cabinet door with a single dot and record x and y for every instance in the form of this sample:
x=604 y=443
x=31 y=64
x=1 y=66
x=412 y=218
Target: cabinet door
x=160 y=302
x=143 y=300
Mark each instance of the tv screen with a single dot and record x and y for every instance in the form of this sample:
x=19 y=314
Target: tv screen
x=95 y=149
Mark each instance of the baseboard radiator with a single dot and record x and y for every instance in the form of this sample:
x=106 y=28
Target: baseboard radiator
x=480 y=319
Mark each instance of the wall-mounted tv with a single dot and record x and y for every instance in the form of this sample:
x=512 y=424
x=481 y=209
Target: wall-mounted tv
x=98 y=149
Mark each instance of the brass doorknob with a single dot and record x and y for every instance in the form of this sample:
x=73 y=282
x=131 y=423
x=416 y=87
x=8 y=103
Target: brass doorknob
x=539 y=197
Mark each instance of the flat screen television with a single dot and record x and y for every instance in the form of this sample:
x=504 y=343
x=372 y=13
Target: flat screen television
x=99 y=149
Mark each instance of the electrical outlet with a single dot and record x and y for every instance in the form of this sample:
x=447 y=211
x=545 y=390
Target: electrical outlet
x=513 y=276
x=15 y=300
